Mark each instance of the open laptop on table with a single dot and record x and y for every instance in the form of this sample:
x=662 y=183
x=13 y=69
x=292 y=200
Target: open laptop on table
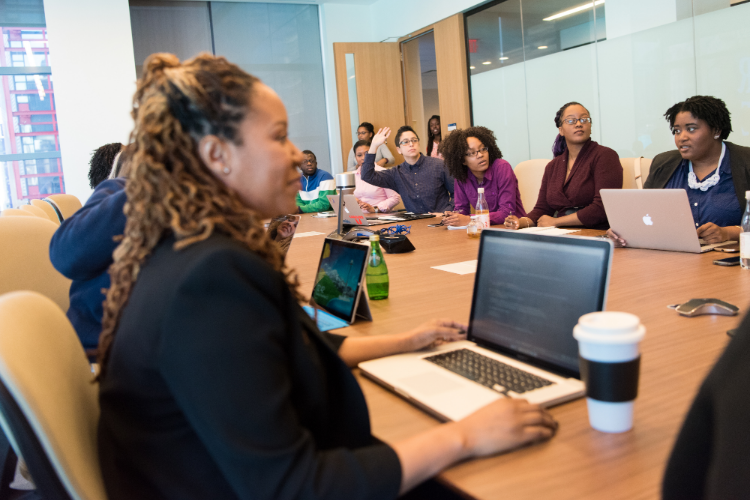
x=658 y=219
x=529 y=292
x=353 y=215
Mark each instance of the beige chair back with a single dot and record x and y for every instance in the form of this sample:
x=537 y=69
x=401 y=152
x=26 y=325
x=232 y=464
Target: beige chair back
x=35 y=211
x=634 y=172
x=529 y=174
x=45 y=370
x=25 y=262
x=67 y=203
x=13 y=212
x=47 y=209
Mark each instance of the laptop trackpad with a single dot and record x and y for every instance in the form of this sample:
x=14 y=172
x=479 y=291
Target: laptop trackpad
x=429 y=384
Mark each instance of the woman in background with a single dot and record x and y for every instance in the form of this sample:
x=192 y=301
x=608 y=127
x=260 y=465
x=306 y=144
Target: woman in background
x=371 y=198
x=474 y=160
x=434 y=136
x=214 y=382
x=569 y=195
x=383 y=156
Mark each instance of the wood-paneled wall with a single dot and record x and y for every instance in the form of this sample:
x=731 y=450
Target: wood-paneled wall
x=453 y=84
x=380 y=89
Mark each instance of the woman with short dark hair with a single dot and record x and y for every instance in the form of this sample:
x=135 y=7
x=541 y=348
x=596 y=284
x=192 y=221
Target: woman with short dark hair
x=714 y=173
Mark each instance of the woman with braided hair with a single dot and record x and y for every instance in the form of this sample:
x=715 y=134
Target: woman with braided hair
x=569 y=195
x=214 y=383
x=714 y=173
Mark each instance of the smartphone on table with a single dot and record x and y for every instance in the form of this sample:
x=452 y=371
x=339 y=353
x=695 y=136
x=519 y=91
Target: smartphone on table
x=731 y=261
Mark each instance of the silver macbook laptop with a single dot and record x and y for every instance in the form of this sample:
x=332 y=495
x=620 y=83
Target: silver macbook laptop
x=658 y=219
x=354 y=215
x=529 y=292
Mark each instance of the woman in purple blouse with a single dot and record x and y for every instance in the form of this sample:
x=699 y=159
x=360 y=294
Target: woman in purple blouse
x=473 y=159
x=569 y=195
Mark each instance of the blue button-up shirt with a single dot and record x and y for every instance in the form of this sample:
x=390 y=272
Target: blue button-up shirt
x=718 y=204
x=424 y=187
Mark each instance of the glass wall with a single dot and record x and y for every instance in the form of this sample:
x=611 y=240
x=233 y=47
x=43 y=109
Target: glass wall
x=278 y=43
x=30 y=165
x=627 y=61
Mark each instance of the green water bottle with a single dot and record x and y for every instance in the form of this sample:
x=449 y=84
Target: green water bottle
x=377 y=271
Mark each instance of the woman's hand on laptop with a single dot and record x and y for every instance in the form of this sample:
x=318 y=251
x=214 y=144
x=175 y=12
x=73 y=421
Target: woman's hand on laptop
x=433 y=333
x=711 y=233
x=504 y=425
x=619 y=242
x=355 y=350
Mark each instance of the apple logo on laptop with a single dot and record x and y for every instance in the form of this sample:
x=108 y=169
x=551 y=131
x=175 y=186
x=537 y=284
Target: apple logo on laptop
x=647 y=220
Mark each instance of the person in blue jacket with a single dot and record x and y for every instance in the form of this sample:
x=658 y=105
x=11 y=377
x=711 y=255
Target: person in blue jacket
x=81 y=249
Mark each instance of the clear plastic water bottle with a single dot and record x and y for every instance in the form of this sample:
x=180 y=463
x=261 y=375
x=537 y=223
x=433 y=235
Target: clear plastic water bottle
x=474 y=228
x=745 y=235
x=377 y=272
x=482 y=209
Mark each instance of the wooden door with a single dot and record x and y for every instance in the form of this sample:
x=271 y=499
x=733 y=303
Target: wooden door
x=380 y=90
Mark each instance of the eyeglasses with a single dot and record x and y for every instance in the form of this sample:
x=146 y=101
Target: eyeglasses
x=477 y=152
x=407 y=142
x=573 y=121
x=397 y=229
x=308 y=162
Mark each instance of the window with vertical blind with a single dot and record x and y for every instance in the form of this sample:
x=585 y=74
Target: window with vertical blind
x=278 y=43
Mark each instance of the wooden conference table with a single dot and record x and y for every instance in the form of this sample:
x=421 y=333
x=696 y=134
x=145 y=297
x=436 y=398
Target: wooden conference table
x=578 y=462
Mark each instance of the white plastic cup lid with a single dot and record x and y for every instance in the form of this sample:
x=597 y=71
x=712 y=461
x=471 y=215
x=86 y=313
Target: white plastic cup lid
x=609 y=327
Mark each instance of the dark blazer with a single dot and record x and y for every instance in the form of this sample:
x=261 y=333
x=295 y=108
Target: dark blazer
x=220 y=386
x=596 y=167
x=664 y=165
x=710 y=459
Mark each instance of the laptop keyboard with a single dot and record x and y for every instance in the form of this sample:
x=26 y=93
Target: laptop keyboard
x=488 y=372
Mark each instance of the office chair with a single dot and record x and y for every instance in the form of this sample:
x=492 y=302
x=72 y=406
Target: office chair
x=529 y=174
x=24 y=259
x=51 y=413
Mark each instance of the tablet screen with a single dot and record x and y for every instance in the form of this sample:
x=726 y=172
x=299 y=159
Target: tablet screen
x=340 y=276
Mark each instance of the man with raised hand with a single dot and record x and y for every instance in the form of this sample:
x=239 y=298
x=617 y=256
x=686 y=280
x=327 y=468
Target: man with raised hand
x=422 y=181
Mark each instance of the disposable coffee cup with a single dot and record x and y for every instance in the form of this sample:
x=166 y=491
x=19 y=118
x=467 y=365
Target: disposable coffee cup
x=609 y=359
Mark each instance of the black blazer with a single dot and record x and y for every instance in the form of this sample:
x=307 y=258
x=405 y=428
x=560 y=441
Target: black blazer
x=664 y=165
x=220 y=386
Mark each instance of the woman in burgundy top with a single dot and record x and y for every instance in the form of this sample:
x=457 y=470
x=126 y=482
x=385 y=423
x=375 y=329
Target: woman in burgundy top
x=569 y=195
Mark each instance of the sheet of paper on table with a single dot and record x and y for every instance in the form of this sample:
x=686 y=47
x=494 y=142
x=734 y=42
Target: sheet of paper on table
x=453 y=228
x=305 y=235
x=325 y=321
x=467 y=267
x=549 y=231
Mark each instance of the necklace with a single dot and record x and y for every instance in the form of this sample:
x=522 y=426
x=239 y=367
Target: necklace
x=708 y=182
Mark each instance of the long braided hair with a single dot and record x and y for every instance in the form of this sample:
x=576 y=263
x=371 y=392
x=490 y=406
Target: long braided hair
x=430 y=137
x=170 y=189
x=560 y=144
